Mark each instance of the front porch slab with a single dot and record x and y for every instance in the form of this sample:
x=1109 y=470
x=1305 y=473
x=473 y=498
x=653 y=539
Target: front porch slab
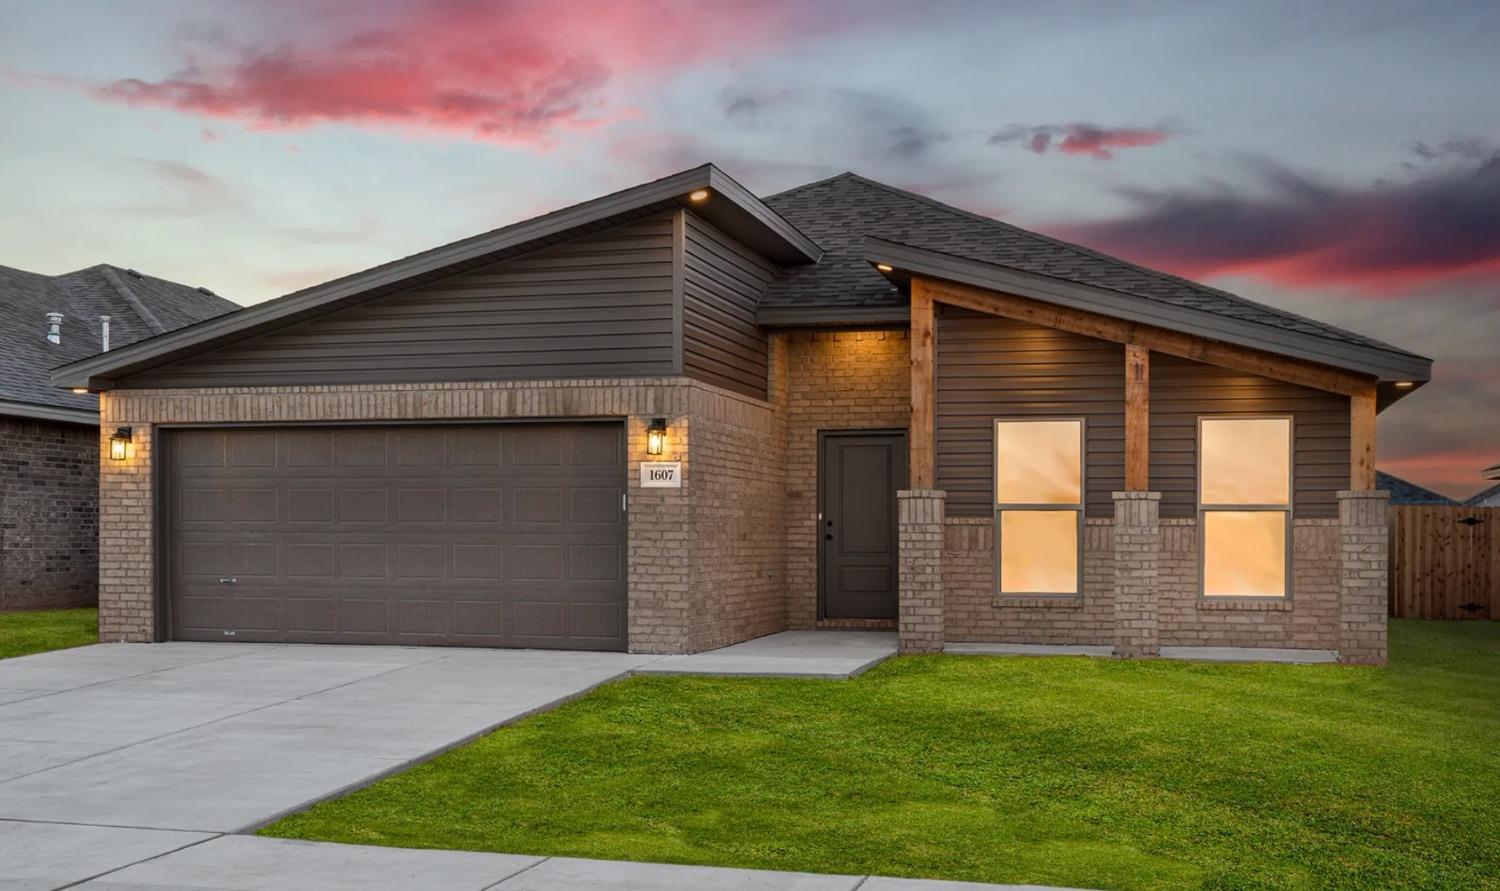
x=788 y=654
x=1013 y=649
x=1283 y=655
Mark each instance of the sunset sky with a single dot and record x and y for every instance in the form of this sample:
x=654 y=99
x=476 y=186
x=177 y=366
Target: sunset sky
x=1341 y=161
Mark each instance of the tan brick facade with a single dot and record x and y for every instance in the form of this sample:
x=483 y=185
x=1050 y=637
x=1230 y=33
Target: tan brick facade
x=733 y=554
x=836 y=380
x=1137 y=553
x=920 y=532
x=703 y=562
x=1363 y=575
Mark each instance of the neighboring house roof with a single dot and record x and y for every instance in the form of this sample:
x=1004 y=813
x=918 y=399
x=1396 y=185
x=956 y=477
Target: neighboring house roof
x=1485 y=497
x=822 y=234
x=139 y=307
x=1403 y=492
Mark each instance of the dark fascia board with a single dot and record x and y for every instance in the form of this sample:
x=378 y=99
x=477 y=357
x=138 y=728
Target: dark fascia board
x=1384 y=365
x=832 y=316
x=49 y=413
x=729 y=205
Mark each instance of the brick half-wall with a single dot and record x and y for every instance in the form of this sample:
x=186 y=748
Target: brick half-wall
x=49 y=505
x=1363 y=575
x=1306 y=620
x=1309 y=619
x=973 y=612
x=704 y=566
x=834 y=380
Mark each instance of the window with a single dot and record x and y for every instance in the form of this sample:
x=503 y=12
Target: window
x=1245 y=505
x=1038 y=506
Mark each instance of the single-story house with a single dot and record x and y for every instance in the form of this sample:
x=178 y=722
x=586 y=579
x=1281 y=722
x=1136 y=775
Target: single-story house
x=49 y=438
x=680 y=416
x=1407 y=492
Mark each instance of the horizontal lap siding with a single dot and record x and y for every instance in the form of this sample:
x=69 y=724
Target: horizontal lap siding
x=1183 y=390
x=989 y=367
x=722 y=284
x=597 y=306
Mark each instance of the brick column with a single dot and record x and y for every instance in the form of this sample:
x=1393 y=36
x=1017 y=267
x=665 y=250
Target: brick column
x=1137 y=554
x=920 y=535
x=1363 y=567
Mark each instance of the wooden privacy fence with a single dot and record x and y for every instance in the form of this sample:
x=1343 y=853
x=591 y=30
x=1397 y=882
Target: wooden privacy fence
x=1445 y=562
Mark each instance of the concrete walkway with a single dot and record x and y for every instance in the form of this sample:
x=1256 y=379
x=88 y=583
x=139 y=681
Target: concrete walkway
x=808 y=654
x=115 y=754
x=246 y=863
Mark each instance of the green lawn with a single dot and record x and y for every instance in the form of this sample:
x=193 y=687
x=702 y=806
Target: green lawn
x=1069 y=771
x=38 y=631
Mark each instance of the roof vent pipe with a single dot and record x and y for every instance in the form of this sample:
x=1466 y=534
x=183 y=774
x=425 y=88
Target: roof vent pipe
x=104 y=332
x=54 y=327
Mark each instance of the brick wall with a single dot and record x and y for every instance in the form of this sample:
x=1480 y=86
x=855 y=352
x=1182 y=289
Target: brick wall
x=738 y=526
x=1307 y=620
x=1137 y=547
x=835 y=380
x=703 y=566
x=974 y=612
x=49 y=503
x=920 y=531
x=1363 y=574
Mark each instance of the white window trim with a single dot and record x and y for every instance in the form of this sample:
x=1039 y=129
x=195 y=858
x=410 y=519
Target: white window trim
x=1078 y=509
x=1291 y=498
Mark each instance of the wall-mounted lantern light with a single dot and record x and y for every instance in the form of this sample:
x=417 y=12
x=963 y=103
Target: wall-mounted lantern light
x=119 y=444
x=656 y=436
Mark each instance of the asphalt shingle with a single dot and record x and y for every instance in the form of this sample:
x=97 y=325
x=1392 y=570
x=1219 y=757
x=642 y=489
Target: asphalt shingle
x=139 y=306
x=839 y=212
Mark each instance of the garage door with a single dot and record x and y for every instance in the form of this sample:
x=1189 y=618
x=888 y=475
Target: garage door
x=484 y=535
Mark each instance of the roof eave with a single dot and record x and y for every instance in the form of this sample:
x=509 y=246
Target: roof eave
x=832 y=316
x=1385 y=366
x=57 y=413
x=740 y=211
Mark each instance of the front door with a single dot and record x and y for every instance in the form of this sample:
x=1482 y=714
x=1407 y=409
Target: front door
x=858 y=475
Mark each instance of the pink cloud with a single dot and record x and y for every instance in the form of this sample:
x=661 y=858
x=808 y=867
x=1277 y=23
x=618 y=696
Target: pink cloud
x=1092 y=140
x=505 y=72
x=1382 y=238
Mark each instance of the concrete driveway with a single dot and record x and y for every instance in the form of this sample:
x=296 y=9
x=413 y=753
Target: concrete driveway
x=113 y=754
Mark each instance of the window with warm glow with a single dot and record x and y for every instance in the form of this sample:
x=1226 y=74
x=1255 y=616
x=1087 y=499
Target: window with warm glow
x=1038 y=505
x=1244 y=502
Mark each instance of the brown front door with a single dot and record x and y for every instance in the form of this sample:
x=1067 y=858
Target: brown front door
x=858 y=475
x=487 y=535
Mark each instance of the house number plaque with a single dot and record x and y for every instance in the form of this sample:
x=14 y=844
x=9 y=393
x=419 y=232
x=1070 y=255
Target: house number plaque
x=661 y=474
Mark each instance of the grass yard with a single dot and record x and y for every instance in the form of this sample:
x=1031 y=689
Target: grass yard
x=38 y=631
x=1092 y=773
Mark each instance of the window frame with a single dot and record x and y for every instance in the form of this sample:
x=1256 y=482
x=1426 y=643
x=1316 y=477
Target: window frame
x=1078 y=509
x=1288 y=509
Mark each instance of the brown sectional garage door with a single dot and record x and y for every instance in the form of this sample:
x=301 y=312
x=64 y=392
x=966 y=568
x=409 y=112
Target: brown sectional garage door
x=467 y=535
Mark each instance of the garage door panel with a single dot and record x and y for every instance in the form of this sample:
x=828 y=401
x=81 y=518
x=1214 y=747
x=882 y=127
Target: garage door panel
x=497 y=535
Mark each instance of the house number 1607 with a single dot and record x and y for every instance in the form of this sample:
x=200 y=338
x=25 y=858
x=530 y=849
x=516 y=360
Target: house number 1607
x=661 y=474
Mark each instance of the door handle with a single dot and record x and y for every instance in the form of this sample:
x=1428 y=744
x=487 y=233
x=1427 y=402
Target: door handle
x=228 y=581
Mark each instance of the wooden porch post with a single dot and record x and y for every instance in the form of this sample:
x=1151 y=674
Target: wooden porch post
x=1137 y=418
x=1362 y=441
x=923 y=387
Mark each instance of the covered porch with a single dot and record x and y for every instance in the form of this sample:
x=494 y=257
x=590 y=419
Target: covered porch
x=1141 y=588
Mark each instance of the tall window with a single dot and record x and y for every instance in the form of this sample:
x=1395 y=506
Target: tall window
x=1039 y=505
x=1245 y=505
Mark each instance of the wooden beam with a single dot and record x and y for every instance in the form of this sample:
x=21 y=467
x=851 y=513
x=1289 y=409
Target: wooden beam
x=923 y=388
x=1161 y=340
x=1137 y=418
x=1362 y=441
